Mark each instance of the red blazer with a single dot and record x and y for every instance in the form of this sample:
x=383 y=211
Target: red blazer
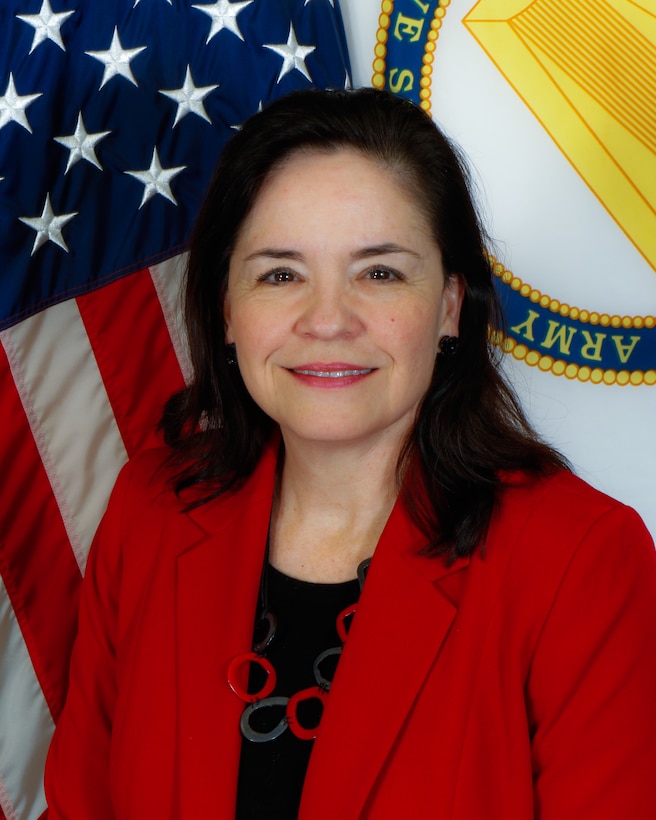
x=518 y=684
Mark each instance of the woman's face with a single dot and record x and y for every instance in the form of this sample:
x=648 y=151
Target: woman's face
x=336 y=300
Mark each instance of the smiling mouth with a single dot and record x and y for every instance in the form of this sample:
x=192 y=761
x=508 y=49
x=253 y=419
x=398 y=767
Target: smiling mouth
x=333 y=374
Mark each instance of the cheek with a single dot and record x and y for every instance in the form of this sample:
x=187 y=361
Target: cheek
x=243 y=319
x=256 y=340
x=417 y=332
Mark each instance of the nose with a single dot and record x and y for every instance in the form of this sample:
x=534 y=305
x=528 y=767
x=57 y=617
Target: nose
x=329 y=312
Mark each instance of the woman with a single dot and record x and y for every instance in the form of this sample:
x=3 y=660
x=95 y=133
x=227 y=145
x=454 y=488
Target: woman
x=349 y=443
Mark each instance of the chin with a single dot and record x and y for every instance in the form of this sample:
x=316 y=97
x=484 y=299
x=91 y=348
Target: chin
x=337 y=433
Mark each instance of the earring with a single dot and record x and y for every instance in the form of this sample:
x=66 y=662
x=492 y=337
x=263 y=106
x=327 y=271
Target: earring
x=449 y=345
x=231 y=354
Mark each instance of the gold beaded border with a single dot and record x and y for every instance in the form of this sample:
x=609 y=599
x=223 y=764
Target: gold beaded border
x=428 y=58
x=379 y=65
x=558 y=367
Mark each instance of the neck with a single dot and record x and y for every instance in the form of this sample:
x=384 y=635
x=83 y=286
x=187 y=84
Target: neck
x=331 y=507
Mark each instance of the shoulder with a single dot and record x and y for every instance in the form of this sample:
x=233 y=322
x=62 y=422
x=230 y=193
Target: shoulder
x=147 y=474
x=145 y=492
x=560 y=503
x=146 y=482
x=557 y=527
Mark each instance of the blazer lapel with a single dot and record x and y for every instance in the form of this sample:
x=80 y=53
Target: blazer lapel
x=400 y=625
x=217 y=578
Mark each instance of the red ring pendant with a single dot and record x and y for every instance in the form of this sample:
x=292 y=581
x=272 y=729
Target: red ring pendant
x=233 y=677
x=341 y=621
x=293 y=723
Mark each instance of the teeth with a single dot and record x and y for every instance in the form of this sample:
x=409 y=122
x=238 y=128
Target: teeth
x=333 y=374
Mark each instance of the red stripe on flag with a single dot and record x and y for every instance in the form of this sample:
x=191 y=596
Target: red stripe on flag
x=137 y=362
x=36 y=560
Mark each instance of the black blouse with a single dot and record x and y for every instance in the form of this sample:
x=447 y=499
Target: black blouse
x=271 y=773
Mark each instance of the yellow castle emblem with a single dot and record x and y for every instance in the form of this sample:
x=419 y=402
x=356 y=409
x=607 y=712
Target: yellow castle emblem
x=587 y=71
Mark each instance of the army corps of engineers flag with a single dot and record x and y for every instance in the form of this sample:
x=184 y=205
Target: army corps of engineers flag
x=112 y=115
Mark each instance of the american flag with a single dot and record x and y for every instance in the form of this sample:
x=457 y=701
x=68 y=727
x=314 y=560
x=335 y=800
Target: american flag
x=112 y=115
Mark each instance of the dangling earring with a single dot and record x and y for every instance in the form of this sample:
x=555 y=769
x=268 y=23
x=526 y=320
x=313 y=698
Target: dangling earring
x=449 y=345
x=231 y=354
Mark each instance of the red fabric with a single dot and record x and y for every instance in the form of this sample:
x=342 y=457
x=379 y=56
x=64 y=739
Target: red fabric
x=32 y=543
x=132 y=346
x=519 y=684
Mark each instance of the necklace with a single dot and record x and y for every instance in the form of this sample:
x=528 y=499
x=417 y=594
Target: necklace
x=257 y=662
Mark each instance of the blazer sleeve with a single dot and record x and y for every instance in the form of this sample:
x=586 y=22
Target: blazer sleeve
x=78 y=762
x=591 y=693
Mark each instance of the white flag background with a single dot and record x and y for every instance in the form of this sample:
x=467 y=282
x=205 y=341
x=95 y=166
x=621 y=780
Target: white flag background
x=555 y=106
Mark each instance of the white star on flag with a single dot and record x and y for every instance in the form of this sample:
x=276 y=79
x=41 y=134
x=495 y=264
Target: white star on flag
x=332 y=2
x=46 y=25
x=117 y=60
x=293 y=55
x=224 y=15
x=156 y=180
x=190 y=98
x=81 y=144
x=48 y=227
x=239 y=126
x=136 y=3
x=12 y=106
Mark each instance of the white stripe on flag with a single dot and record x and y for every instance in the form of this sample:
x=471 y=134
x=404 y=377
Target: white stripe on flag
x=168 y=279
x=26 y=723
x=70 y=415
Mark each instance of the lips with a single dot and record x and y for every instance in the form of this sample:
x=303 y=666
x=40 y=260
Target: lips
x=332 y=374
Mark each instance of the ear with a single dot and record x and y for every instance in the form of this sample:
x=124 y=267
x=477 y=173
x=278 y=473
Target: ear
x=452 y=298
x=229 y=339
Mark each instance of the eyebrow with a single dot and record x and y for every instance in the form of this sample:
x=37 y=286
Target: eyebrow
x=385 y=248
x=363 y=253
x=275 y=253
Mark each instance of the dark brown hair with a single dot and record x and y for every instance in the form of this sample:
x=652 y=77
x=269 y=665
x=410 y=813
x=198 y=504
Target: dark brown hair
x=469 y=429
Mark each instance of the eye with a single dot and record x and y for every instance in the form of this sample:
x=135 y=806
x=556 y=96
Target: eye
x=279 y=276
x=380 y=274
